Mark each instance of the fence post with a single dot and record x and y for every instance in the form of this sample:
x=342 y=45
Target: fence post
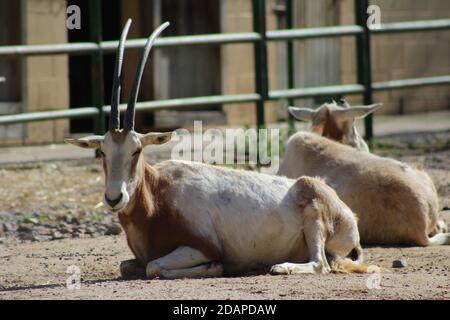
x=98 y=93
x=364 y=62
x=290 y=62
x=260 y=59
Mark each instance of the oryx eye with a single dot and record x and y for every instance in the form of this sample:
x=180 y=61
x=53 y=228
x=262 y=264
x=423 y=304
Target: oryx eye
x=138 y=151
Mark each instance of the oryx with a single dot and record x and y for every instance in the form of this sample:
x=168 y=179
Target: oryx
x=187 y=219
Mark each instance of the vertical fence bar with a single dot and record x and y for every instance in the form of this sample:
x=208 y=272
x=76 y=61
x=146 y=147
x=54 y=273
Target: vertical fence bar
x=260 y=59
x=98 y=93
x=364 y=62
x=290 y=62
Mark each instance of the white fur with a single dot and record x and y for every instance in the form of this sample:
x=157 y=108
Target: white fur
x=253 y=220
x=252 y=217
x=395 y=203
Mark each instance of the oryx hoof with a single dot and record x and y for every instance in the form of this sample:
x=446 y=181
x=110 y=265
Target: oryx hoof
x=279 y=269
x=131 y=269
x=441 y=226
x=152 y=270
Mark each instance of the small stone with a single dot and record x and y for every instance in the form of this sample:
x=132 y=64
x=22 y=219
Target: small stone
x=24 y=228
x=74 y=220
x=26 y=236
x=65 y=230
x=8 y=227
x=66 y=218
x=41 y=230
x=50 y=226
x=56 y=235
x=113 y=229
x=39 y=237
x=78 y=229
x=90 y=230
x=399 y=263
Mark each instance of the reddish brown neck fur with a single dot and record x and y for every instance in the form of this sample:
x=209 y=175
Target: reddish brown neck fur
x=153 y=225
x=331 y=129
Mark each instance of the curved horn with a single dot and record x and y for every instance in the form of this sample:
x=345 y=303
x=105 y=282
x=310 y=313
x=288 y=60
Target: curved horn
x=114 y=116
x=129 y=115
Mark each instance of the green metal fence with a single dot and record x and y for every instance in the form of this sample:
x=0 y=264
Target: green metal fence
x=259 y=39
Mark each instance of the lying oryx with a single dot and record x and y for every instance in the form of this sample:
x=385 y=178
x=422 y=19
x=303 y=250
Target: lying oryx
x=186 y=219
x=395 y=203
x=336 y=121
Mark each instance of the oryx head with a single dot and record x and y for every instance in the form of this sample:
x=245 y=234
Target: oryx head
x=336 y=121
x=121 y=149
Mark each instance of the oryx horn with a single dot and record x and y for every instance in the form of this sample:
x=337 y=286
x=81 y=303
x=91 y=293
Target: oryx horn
x=129 y=115
x=114 y=116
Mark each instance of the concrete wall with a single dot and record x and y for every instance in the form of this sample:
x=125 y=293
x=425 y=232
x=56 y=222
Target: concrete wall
x=317 y=61
x=399 y=56
x=45 y=83
x=237 y=61
x=10 y=68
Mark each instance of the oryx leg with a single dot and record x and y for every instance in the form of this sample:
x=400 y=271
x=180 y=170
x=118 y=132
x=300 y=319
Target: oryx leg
x=440 y=227
x=132 y=269
x=439 y=240
x=316 y=245
x=183 y=262
x=209 y=270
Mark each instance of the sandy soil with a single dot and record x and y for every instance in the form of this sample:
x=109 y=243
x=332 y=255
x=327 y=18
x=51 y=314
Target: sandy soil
x=38 y=269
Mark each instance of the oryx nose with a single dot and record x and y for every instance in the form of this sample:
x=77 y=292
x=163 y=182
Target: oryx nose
x=113 y=202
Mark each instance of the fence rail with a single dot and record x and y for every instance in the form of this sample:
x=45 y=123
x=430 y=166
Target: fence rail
x=259 y=39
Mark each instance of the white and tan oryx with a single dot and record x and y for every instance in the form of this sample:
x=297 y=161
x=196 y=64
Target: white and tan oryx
x=396 y=204
x=336 y=121
x=187 y=219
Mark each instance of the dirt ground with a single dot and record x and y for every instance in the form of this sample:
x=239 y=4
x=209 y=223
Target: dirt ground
x=49 y=221
x=38 y=271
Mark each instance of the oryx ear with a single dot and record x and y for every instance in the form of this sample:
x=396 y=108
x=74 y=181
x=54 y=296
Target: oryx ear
x=357 y=112
x=305 y=114
x=370 y=109
x=155 y=138
x=90 y=142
